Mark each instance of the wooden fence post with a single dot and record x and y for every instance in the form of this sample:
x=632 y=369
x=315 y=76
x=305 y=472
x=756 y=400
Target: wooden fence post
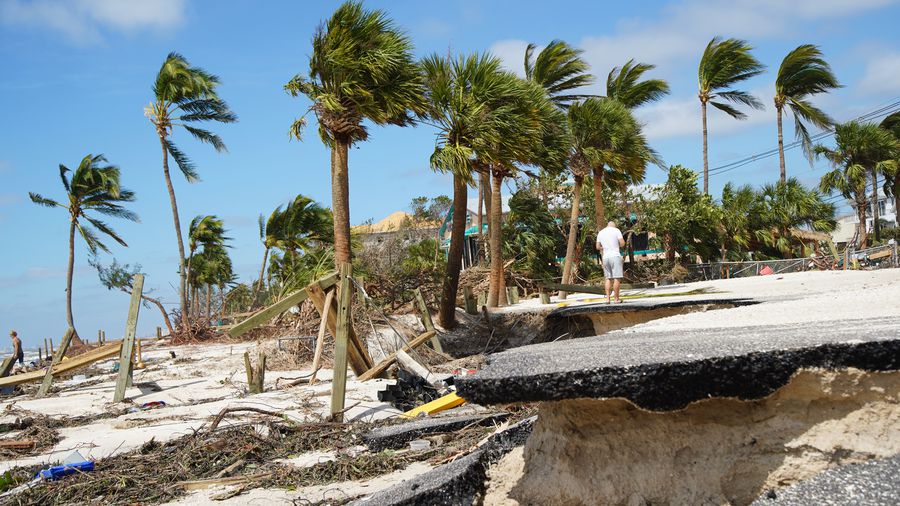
x=482 y=300
x=427 y=322
x=471 y=308
x=126 y=363
x=545 y=298
x=256 y=377
x=341 y=341
x=158 y=332
x=57 y=358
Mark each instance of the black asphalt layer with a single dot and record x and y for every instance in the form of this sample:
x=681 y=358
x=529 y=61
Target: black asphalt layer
x=649 y=304
x=396 y=436
x=873 y=483
x=667 y=370
x=459 y=483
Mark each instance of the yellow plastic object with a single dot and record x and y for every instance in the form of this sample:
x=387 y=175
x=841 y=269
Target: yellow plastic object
x=436 y=406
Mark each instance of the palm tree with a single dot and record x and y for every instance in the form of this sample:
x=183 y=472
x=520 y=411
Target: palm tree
x=862 y=149
x=559 y=69
x=92 y=188
x=803 y=73
x=787 y=205
x=184 y=95
x=362 y=67
x=212 y=268
x=724 y=64
x=625 y=85
x=892 y=174
x=207 y=231
x=739 y=212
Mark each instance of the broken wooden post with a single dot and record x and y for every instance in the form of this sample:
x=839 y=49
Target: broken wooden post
x=99 y=336
x=427 y=322
x=126 y=365
x=46 y=350
x=57 y=358
x=512 y=294
x=545 y=298
x=471 y=308
x=104 y=337
x=158 y=333
x=51 y=348
x=382 y=366
x=320 y=338
x=7 y=365
x=482 y=300
x=138 y=358
x=256 y=377
x=359 y=358
x=341 y=341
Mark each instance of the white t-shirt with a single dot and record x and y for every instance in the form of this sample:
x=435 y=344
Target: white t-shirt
x=609 y=240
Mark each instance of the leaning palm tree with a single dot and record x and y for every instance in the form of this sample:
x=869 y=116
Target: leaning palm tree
x=861 y=149
x=205 y=231
x=361 y=67
x=724 y=64
x=560 y=70
x=92 y=188
x=625 y=85
x=803 y=73
x=184 y=95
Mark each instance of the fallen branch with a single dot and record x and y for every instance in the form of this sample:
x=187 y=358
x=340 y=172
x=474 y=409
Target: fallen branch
x=218 y=419
x=334 y=416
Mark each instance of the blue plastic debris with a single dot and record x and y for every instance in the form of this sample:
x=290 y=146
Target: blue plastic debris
x=57 y=472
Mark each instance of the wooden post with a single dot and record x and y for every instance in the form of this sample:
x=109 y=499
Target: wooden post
x=126 y=365
x=359 y=358
x=471 y=308
x=104 y=337
x=57 y=358
x=427 y=322
x=138 y=358
x=341 y=341
x=158 y=332
x=255 y=377
x=320 y=339
x=51 y=348
x=545 y=298
x=249 y=369
x=99 y=336
x=40 y=357
x=512 y=294
x=46 y=350
x=482 y=300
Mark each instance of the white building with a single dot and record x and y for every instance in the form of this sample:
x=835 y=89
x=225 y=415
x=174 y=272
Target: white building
x=848 y=224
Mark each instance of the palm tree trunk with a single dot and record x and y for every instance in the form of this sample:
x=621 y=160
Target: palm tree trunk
x=780 y=145
x=875 y=228
x=69 y=274
x=162 y=310
x=182 y=274
x=262 y=273
x=705 y=158
x=669 y=246
x=447 y=311
x=208 y=303
x=599 y=209
x=187 y=274
x=494 y=231
x=897 y=199
x=480 y=214
x=340 y=201
x=573 y=234
x=861 y=215
x=484 y=178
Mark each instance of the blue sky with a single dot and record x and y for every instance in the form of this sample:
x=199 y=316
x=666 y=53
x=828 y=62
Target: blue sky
x=77 y=74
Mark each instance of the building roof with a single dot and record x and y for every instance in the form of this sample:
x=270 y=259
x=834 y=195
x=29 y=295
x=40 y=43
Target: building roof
x=392 y=223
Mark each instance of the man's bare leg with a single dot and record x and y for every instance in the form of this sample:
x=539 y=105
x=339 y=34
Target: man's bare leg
x=616 y=284
x=608 y=292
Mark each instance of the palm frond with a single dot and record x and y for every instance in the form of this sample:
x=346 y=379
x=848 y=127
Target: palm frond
x=559 y=69
x=43 y=201
x=207 y=137
x=624 y=84
x=729 y=110
x=103 y=227
x=184 y=163
x=741 y=97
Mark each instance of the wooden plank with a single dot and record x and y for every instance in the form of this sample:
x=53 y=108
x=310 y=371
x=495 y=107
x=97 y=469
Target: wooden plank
x=57 y=358
x=341 y=343
x=126 y=362
x=427 y=322
x=7 y=366
x=263 y=315
x=881 y=254
x=234 y=480
x=469 y=298
x=360 y=361
x=382 y=366
x=85 y=359
x=320 y=339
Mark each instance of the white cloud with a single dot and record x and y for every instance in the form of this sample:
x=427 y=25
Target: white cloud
x=84 y=20
x=680 y=117
x=512 y=52
x=882 y=74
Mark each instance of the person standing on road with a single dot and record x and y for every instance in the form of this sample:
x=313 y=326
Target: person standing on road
x=17 y=348
x=609 y=240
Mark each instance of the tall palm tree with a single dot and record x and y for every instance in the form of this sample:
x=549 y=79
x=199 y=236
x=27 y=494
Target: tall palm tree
x=207 y=231
x=788 y=205
x=92 y=188
x=892 y=174
x=739 y=211
x=184 y=95
x=212 y=268
x=625 y=85
x=361 y=67
x=861 y=150
x=803 y=73
x=560 y=70
x=725 y=63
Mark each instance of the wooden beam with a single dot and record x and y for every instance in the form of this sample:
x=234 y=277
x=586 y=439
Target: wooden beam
x=341 y=343
x=382 y=366
x=85 y=359
x=263 y=315
x=7 y=366
x=320 y=339
x=126 y=362
x=359 y=358
x=427 y=322
x=57 y=358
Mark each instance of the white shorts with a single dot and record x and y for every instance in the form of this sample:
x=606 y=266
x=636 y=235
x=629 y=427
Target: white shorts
x=613 y=267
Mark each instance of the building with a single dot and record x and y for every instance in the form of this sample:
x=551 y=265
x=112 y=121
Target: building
x=848 y=224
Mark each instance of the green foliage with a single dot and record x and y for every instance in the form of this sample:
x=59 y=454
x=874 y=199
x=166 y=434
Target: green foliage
x=206 y=231
x=725 y=63
x=291 y=270
x=302 y=224
x=559 y=69
x=361 y=67
x=624 y=84
x=92 y=188
x=430 y=210
x=740 y=216
x=804 y=73
x=682 y=217
x=116 y=276
x=860 y=148
x=785 y=206
x=532 y=237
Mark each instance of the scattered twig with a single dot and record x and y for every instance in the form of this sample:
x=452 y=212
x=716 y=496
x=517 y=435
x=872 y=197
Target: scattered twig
x=225 y=411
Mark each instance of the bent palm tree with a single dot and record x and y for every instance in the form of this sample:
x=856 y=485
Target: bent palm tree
x=559 y=69
x=92 y=188
x=184 y=95
x=803 y=73
x=625 y=85
x=361 y=67
x=724 y=64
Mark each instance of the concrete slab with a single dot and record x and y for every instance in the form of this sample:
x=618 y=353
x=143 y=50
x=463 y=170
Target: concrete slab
x=660 y=370
x=873 y=483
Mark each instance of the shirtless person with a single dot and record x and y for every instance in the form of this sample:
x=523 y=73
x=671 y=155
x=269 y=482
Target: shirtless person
x=17 y=348
x=609 y=240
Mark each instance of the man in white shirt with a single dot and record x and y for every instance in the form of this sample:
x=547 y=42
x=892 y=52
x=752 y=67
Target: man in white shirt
x=609 y=240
